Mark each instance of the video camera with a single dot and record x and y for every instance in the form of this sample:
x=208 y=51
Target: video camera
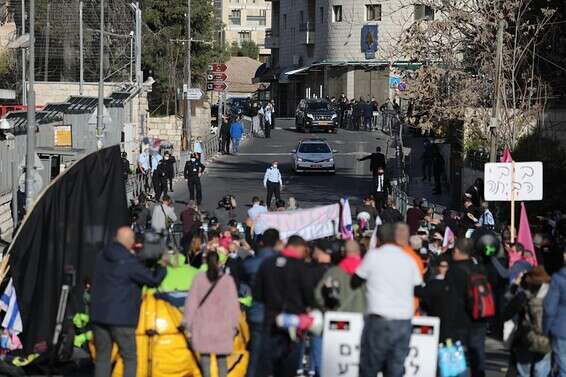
x=226 y=202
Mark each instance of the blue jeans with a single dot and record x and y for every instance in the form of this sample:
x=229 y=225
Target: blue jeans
x=384 y=347
x=256 y=335
x=473 y=340
x=540 y=369
x=315 y=354
x=559 y=351
x=235 y=145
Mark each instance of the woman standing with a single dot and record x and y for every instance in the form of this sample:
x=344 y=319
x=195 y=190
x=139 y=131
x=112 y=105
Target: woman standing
x=211 y=316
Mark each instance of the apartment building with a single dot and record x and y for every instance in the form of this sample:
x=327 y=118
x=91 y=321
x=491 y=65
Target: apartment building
x=245 y=20
x=328 y=47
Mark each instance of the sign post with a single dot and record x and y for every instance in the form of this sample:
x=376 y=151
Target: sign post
x=216 y=77
x=511 y=182
x=194 y=94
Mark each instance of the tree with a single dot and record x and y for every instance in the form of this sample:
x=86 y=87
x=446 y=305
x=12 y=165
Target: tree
x=164 y=52
x=458 y=51
x=249 y=49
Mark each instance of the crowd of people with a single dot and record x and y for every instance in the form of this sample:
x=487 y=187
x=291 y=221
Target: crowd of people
x=364 y=114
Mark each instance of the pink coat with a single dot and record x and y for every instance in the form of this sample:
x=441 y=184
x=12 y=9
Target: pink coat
x=212 y=327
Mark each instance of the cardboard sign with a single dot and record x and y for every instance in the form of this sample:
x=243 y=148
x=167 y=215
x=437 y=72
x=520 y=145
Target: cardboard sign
x=341 y=345
x=501 y=182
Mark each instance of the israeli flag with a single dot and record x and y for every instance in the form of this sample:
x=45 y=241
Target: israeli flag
x=9 y=304
x=346 y=221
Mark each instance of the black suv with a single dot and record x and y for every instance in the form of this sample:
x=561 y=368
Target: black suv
x=316 y=115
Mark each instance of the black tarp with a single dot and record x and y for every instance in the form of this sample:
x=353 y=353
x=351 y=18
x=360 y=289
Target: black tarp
x=71 y=221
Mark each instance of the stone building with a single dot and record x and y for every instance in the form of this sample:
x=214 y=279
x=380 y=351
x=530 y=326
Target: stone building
x=327 y=47
x=244 y=20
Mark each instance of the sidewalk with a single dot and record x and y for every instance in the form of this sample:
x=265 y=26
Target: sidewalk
x=414 y=148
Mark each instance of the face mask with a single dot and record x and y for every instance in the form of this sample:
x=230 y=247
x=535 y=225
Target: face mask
x=274 y=166
x=166 y=157
x=193 y=159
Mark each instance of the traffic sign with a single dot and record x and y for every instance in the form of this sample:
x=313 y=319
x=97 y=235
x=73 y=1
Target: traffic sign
x=194 y=94
x=217 y=67
x=217 y=76
x=216 y=86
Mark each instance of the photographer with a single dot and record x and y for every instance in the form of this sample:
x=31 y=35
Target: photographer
x=225 y=210
x=115 y=302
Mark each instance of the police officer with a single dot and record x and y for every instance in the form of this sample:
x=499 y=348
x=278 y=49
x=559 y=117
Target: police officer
x=159 y=179
x=193 y=170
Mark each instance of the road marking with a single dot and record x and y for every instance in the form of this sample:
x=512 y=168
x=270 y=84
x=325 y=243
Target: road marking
x=289 y=154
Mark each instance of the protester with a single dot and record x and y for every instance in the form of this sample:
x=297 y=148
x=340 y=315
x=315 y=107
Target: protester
x=236 y=133
x=486 y=219
x=555 y=318
x=211 y=316
x=531 y=347
x=390 y=214
x=163 y=215
x=115 y=302
x=256 y=209
x=391 y=276
x=192 y=221
x=273 y=182
x=282 y=285
x=415 y=215
x=467 y=327
x=367 y=214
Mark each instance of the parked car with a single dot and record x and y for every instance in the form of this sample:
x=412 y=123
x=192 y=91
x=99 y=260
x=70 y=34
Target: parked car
x=314 y=115
x=314 y=155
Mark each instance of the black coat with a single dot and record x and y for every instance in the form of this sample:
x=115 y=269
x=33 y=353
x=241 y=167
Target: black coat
x=283 y=284
x=116 y=287
x=377 y=160
x=170 y=166
x=193 y=169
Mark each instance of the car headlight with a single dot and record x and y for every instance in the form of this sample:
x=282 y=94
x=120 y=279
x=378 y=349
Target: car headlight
x=310 y=116
x=334 y=116
x=299 y=159
x=331 y=160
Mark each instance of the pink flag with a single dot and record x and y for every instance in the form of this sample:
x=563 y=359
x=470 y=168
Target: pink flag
x=525 y=238
x=506 y=156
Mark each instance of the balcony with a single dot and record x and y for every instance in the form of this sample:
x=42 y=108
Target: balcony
x=307 y=33
x=271 y=38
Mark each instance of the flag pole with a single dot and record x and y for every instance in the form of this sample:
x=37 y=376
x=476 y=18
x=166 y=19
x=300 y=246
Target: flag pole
x=512 y=202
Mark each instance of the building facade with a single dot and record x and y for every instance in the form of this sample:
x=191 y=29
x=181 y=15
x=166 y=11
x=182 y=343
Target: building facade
x=245 y=20
x=321 y=48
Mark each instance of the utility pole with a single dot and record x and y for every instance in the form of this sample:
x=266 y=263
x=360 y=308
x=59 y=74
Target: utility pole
x=30 y=138
x=46 y=60
x=495 y=112
x=24 y=84
x=139 y=73
x=188 y=113
x=81 y=47
x=100 y=109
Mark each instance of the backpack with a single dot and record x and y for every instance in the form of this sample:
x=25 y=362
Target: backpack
x=533 y=332
x=481 y=304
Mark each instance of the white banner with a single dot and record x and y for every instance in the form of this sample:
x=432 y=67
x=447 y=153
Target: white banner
x=341 y=345
x=500 y=184
x=311 y=224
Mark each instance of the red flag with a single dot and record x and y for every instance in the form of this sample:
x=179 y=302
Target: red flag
x=506 y=156
x=525 y=238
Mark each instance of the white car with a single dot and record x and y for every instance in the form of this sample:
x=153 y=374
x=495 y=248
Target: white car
x=313 y=155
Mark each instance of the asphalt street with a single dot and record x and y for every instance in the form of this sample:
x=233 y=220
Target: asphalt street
x=242 y=175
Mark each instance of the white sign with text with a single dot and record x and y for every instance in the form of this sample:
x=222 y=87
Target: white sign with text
x=501 y=182
x=341 y=345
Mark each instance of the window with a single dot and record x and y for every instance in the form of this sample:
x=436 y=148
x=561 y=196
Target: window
x=337 y=13
x=284 y=22
x=245 y=36
x=302 y=17
x=321 y=15
x=314 y=148
x=235 y=17
x=423 y=12
x=373 y=12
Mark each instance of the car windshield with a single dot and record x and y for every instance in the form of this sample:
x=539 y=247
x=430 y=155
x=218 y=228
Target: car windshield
x=314 y=148
x=319 y=105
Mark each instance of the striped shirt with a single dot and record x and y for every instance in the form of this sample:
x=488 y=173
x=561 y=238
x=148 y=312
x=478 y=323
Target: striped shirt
x=272 y=175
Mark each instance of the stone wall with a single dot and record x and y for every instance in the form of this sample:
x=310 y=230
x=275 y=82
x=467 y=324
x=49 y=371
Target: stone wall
x=54 y=92
x=6 y=224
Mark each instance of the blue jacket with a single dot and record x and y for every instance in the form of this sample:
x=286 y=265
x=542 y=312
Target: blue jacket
x=116 y=287
x=236 y=130
x=554 y=319
x=250 y=268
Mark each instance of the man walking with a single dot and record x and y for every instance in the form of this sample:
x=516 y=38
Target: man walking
x=377 y=160
x=380 y=189
x=236 y=133
x=225 y=136
x=268 y=111
x=273 y=182
x=391 y=276
x=159 y=179
x=169 y=168
x=192 y=172
x=115 y=302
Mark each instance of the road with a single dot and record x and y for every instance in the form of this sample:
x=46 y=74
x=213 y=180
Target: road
x=242 y=176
